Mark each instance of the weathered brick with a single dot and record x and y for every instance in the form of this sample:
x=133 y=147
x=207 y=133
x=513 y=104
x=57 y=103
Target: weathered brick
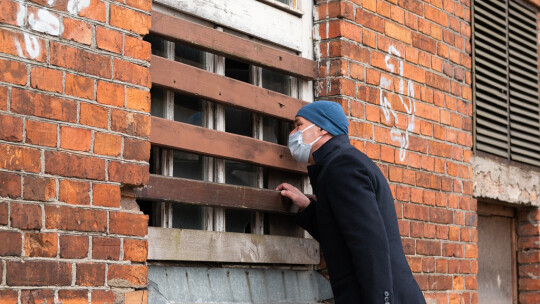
x=80 y=60
x=14 y=43
x=10 y=128
x=138 y=99
x=79 y=86
x=131 y=73
x=135 y=250
x=70 y=165
x=73 y=296
x=73 y=246
x=41 y=133
x=8 y=296
x=74 y=192
x=19 y=158
x=90 y=274
x=4 y=213
x=110 y=93
x=37 y=296
x=40 y=244
x=104 y=297
x=129 y=20
x=10 y=185
x=94 y=115
x=77 y=219
x=8 y=12
x=77 y=31
x=139 y=149
x=144 y=5
x=26 y=216
x=3 y=98
x=370 y=20
x=11 y=243
x=46 y=106
x=46 y=79
x=109 y=40
x=105 y=248
x=397 y=32
x=107 y=144
x=127 y=275
x=137 y=48
x=39 y=189
x=13 y=72
x=128 y=173
x=130 y=123
x=106 y=195
x=128 y=223
x=75 y=138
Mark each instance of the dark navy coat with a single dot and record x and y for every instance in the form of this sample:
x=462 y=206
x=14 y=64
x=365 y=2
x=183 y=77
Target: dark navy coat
x=354 y=219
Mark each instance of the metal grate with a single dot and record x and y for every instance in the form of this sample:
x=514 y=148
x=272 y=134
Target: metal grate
x=505 y=52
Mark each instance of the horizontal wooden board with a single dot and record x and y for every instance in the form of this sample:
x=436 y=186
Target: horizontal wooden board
x=247 y=16
x=182 y=77
x=186 y=137
x=227 y=45
x=162 y=188
x=168 y=244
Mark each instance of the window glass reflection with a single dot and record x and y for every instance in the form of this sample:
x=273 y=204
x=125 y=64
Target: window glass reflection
x=239 y=220
x=157 y=45
x=276 y=81
x=188 y=109
x=188 y=216
x=240 y=174
x=157 y=105
x=189 y=55
x=188 y=165
x=276 y=130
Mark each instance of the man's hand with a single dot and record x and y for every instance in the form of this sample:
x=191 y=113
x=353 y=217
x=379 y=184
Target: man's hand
x=296 y=196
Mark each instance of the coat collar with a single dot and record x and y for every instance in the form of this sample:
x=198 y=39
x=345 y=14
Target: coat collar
x=335 y=143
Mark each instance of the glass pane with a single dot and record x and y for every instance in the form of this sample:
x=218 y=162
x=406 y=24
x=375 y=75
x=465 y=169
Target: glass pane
x=239 y=220
x=188 y=165
x=188 y=216
x=238 y=122
x=157 y=104
x=157 y=45
x=155 y=160
x=189 y=55
x=188 y=109
x=276 y=81
x=276 y=130
x=241 y=174
x=237 y=70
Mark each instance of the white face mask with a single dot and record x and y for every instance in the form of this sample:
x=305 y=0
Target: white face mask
x=299 y=149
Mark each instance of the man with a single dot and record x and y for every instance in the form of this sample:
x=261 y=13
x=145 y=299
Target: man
x=353 y=216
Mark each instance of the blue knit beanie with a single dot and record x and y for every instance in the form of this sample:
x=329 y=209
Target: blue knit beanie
x=327 y=115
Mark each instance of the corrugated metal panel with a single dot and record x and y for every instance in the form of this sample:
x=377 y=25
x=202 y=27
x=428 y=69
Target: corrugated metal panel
x=507 y=121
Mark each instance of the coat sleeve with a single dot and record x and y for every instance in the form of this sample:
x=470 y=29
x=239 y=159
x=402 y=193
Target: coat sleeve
x=307 y=219
x=353 y=201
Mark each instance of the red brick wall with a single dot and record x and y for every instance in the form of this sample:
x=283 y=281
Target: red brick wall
x=74 y=127
x=529 y=256
x=425 y=154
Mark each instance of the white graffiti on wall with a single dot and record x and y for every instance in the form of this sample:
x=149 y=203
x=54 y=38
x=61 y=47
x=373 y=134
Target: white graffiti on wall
x=42 y=21
x=402 y=137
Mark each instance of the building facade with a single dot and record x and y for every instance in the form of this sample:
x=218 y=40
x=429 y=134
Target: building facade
x=140 y=143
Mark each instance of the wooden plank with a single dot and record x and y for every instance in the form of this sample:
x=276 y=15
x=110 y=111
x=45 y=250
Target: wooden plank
x=182 y=77
x=494 y=209
x=186 y=137
x=231 y=46
x=247 y=16
x=162 y=188
x=211 y=246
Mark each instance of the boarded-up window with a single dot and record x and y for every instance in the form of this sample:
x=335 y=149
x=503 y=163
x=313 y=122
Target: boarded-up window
x=505 y=55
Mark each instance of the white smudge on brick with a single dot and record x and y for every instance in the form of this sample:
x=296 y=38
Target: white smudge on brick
x=45 y=22
x=75 y=6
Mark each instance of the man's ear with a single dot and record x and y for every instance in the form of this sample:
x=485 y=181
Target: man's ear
x=323 y=131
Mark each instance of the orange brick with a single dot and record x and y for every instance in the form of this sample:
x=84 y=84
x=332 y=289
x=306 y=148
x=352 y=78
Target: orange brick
x=8 y=12
x=40 y=133
x=11 y=128
x=107 y=144
x=74 y=192
x=106 y=195
x=132 y=73
x=13 y=72
x=40 y=244
x=39 y=189
x=77 y=31
x=75 y=138
x=369 y=20
x=95 y=10
x=138 y=100
x=110 y=93
x=73 y=296
x=80 y=60
x=79 y=86
x=135 y=250
x=397 y=14
x=46 y=79
x=3 y=98
x=129 y=19
x=397 y=32
x=94 y=115
x=436 y=15
x=387 y=154
x=136 y=149
x=144 y=5
x=128 y=173
x=9 y=42
x=19 y=158
x=109 y=40
x=137 y=48
x=361 y=129
x=127 y=275
x=130 y=123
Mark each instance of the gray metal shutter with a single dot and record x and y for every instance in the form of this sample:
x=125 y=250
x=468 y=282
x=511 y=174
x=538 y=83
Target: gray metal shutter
x=507 y=116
